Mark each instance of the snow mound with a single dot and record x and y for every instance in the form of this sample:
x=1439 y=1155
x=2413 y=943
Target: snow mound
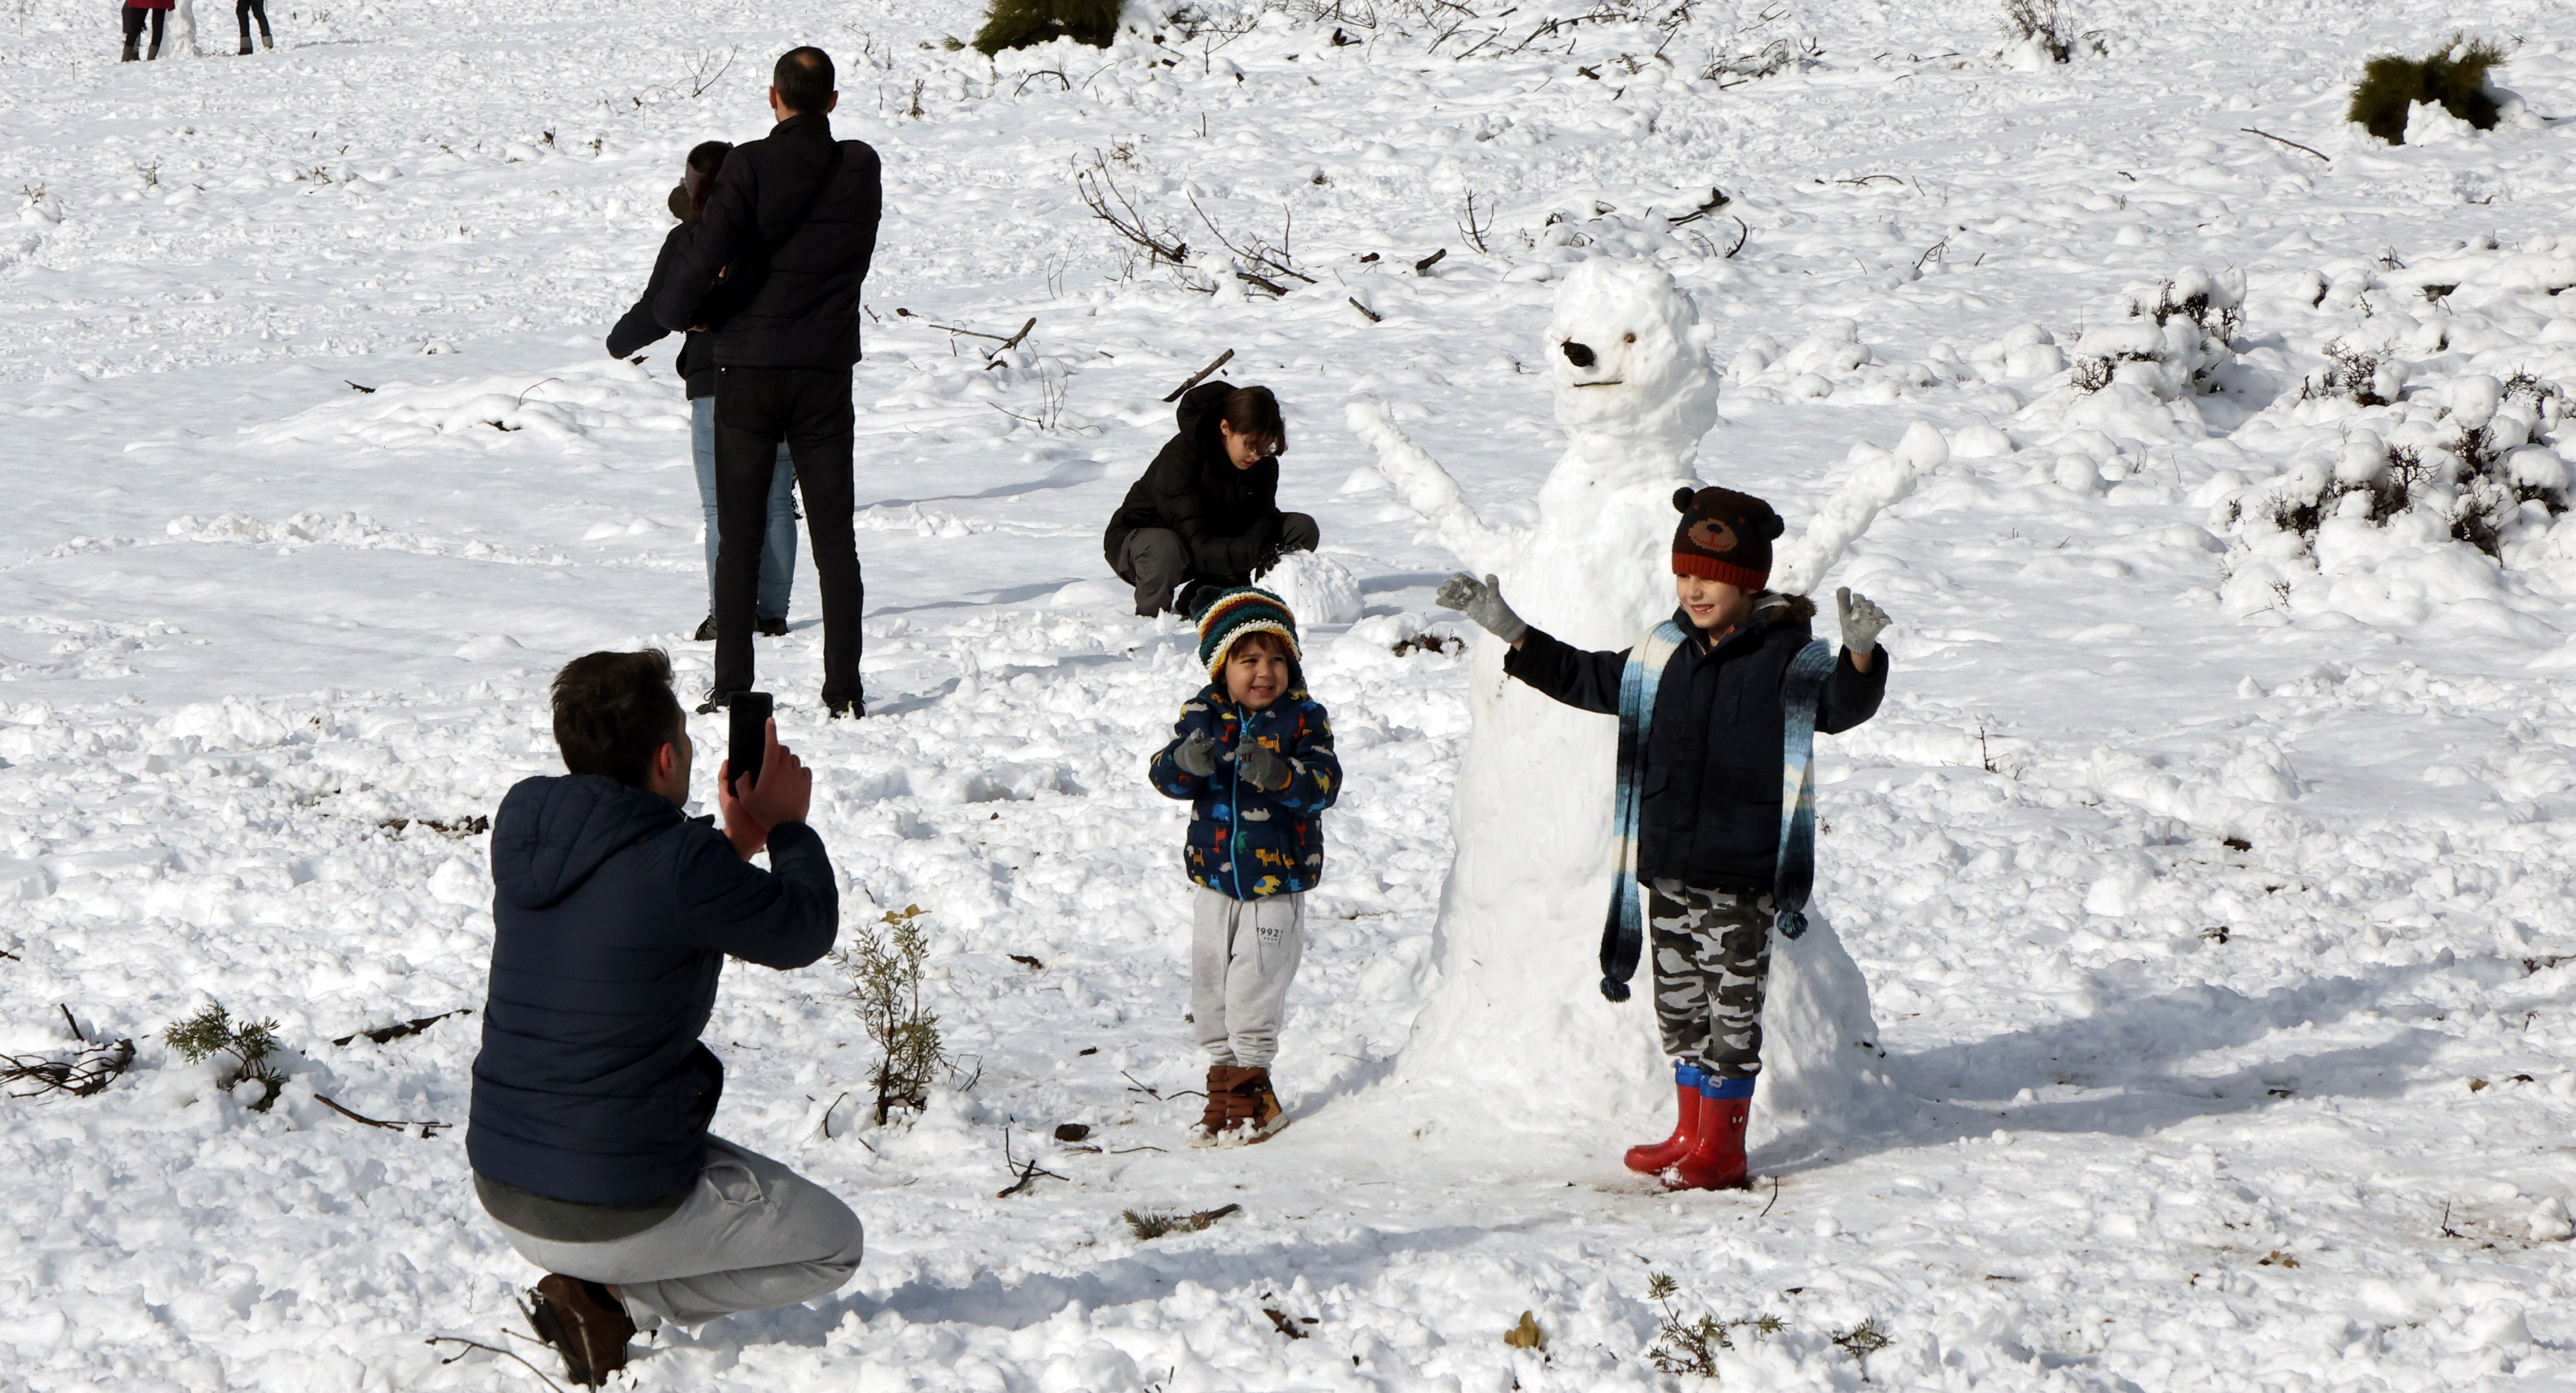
x=1819 y=1045
x=569 y=406
x=1317 y=589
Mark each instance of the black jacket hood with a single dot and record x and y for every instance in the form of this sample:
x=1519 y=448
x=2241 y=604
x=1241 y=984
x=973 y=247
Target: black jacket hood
x=554 y=832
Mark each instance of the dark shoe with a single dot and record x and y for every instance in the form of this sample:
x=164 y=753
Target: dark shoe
x=706 y=630
x=266 y=42
x=1256 y=1112
x=716 y=701
x=585 y=1324
x=767 y=627
x=153 y=54
x=853 y=708
x=1655 y=1158
x=133 y=50
x=245 y=48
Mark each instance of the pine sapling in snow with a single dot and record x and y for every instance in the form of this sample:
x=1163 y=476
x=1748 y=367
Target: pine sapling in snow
x=1690 y=1347
x=213 y=1031
x=885 y=979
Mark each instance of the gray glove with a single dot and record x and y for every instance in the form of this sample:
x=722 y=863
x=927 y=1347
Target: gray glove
x=1197 y=755
x=1862 y=621
x=1482 y=601
x=1261 y=769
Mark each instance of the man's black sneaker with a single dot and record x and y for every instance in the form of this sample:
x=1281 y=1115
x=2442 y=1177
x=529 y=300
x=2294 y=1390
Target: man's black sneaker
x=584 y=1323
x=856 y=708
x=706 y=630
x=716 y=701
x=767 y=627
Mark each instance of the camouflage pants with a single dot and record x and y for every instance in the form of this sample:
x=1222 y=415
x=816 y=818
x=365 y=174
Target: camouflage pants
x=1712 y=960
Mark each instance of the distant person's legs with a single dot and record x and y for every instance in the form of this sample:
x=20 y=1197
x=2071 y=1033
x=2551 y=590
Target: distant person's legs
x=756 y=409
x=1154 y=560
x=751 y=1235
x=778 y=548
x=133 y=34
x=244 y=11
x=823 y=445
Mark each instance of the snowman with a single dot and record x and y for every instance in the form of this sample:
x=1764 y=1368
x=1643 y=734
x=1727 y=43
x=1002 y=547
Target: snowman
x=1516 y=1020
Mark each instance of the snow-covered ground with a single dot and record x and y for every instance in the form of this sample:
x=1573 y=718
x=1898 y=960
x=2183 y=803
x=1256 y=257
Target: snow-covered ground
x=2208 y=863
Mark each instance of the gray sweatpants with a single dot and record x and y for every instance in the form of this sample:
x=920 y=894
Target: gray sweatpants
x=752 y=1234
x=1243 y=954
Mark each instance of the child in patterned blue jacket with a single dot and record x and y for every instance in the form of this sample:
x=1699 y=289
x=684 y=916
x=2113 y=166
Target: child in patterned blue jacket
x=1254 y=755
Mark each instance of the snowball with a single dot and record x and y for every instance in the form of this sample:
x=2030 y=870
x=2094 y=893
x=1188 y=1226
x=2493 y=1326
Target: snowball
x=2473 y=399
x=1978 y=440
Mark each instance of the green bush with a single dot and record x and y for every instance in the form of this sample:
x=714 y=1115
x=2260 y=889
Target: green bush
x=2454 y=75
x=1027 y=23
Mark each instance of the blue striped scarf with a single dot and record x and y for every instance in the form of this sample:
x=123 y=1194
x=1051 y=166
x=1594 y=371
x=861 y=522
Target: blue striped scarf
x=1623 y=938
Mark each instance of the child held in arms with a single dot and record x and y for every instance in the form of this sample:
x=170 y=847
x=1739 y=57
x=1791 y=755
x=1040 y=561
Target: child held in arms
x=1254 y=755
x=1713 y=705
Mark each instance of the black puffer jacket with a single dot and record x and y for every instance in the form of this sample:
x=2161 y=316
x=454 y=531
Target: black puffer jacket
x=1228 y=517
x=1712 y=766
x=613 y=917
x=803 y=311
x=638 y=330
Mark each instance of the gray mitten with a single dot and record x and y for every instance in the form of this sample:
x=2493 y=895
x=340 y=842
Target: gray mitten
x=1862 y=621
x=1482 y=601
x=1197 y=755
x=1261 y=769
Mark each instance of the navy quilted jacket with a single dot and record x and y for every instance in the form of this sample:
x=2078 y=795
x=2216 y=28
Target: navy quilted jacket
x=613 y=917
x=1245 y=842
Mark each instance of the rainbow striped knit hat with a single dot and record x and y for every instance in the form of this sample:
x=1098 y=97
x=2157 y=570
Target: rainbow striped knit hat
x=1238 y=612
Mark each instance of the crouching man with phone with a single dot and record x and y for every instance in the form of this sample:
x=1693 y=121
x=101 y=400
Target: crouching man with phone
x=613 y=916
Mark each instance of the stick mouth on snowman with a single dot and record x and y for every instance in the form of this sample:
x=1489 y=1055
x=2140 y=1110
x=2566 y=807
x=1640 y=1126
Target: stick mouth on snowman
x=1522 y=904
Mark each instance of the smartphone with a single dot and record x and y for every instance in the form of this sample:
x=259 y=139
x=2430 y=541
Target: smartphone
x=748 y=737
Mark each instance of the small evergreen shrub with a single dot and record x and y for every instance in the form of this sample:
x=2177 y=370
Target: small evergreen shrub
x=213 y=1031
x=885 y=980
x=2453 y=76
x=1028 y=23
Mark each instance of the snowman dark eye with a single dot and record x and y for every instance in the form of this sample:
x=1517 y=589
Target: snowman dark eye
x=1632 y=338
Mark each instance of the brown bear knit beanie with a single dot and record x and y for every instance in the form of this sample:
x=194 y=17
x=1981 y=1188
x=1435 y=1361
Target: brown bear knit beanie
x=1724 y=536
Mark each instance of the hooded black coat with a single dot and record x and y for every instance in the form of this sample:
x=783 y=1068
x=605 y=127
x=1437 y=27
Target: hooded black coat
x=1713 y=753
x=612 y=919
x=801 y=308
x=1229 y=518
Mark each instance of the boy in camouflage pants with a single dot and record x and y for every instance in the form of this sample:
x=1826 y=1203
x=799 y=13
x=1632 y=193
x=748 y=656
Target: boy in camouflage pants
x=1703 y=701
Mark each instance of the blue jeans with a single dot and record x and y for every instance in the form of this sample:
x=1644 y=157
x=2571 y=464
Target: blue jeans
x=778 y=548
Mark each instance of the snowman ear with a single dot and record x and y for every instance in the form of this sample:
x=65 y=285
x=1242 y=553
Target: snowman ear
x=1682 y=498
x=1772 y=526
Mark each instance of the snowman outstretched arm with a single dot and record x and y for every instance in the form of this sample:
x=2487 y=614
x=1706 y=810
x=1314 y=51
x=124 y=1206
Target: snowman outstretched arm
x=1431 y=492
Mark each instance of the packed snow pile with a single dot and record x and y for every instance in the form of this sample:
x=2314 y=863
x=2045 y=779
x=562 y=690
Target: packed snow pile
x=2143 y=374
x=569 y=404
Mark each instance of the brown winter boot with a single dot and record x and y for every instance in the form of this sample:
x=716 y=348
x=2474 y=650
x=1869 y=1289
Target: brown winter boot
x=1257 y=1116
x=586 y=1324
x=1214 y=1123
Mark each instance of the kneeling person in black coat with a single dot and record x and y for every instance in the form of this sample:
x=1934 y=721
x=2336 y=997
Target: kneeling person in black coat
x=614 y=914
x=1710 y=792
x=1205 y=517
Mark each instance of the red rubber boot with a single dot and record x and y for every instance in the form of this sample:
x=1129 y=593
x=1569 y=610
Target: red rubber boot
x=1654 y=1157
x=1716 y=1157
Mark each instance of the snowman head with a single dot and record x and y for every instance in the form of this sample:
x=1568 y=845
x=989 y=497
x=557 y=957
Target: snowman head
x=1630 y=357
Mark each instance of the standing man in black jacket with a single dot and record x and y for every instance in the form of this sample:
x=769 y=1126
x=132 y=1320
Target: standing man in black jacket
x=795 y=214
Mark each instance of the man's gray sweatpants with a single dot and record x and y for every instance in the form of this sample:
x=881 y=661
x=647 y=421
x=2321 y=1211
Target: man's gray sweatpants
x=1243 y=954
x=752 y=1234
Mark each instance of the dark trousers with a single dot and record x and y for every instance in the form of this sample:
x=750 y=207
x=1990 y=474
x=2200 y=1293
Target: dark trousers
x=808 y=409
x=134 y=27
x=1712 y=967
x=1157 y=562
x=244 y=10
